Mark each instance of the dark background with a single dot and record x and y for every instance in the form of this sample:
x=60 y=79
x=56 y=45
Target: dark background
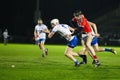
x=18 y=15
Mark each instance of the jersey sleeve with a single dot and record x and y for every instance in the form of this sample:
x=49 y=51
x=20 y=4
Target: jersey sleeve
x=35 y=27
x=55 y=29
x=45 y=27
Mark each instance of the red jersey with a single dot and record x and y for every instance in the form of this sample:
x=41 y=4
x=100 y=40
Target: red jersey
x=83 y=23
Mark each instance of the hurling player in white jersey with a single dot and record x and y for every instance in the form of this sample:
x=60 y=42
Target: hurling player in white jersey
x=65 y=31
x=5 y=35
x=40 y=36
x=94 y=43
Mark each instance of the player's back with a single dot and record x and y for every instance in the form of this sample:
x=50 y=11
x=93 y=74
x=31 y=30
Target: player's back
x=63 y=29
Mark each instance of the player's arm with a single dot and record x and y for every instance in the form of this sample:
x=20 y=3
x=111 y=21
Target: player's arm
x=53 y=31
x=35 y=34
x=73 y=24
x=77 y=29
x=46 y=31
x=93 y=25
x=50 y=34
x=71 y=29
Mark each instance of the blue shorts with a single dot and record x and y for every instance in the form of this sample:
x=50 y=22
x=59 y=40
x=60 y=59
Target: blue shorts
x=94 y=41
x=73 y=43
x=41 y=40
x=5 y=38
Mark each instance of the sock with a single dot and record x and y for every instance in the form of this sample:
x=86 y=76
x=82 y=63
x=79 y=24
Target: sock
x=84 y=57
x=95 y=57
x=108 y=50
x=76 y=62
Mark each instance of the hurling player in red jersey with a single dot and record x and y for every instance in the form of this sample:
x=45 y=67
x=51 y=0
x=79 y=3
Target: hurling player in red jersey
x=83 y=25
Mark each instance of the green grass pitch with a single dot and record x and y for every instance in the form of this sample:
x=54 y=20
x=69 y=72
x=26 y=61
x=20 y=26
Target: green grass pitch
x=29 y=65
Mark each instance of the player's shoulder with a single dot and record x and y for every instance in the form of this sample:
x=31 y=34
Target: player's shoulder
x=43 y=25
x=57 y=27
x=37 y=25
x=83 y=15
x=64 y=24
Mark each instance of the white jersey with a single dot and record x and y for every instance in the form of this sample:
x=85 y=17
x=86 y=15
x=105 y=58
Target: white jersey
x=5 y=34
x=39 y=29
x=63 y=30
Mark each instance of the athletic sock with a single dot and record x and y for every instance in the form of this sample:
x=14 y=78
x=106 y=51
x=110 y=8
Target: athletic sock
x=108 y=50
x=95 y=57
x=84 y=57
x=76 y=62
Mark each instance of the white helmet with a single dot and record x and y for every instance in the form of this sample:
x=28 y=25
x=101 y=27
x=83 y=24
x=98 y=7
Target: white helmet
x=54 y=21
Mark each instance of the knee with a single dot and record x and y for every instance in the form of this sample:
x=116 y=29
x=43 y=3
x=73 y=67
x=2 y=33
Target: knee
x=88 y=45
x=96 y=50
x=66 y=54
x=40 y=46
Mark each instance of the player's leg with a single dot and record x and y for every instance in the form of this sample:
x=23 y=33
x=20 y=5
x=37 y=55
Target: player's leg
x=110 y=50
x=95 y=45
x=5 y=41
x=69 y=50
x=68 y=53
x=91 y=50
x=42 y=48
x=85 y=50
x=74 y=54
x=84 y=57
x=82 y=53
x=41 y=43
x=97 y=49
